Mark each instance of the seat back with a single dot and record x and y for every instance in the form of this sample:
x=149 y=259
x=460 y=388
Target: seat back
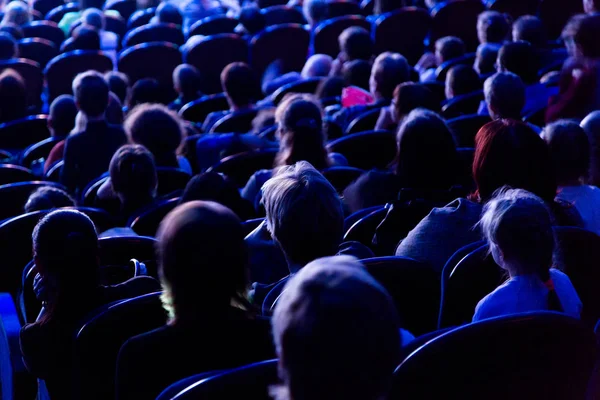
x=197 y=110
x=161 y=32
x=510 y=357
x=115 y=24
x=282 y=14
x=213 y=25
x=240 y=167
x=325 y=35
x=364 y=229
x=146 y=222
x=21 y=133
x=45 y=30
x=288 y=43
x=140 y=18
x=57 y=13
x=31 y=73
x=536 y=117
x=38 y=151
x=464 y=128
x=341 y=177
x=555 y=14
x=44 y=6
x=364 y=122
x=235 y=122
x=366 y=150
x=463 y=105
x=61 y=71
x=10 y=173
x=171 y=180
x=446 y=14
x=38 y=50
x=339 y=8
x=252 y=381
x=514 y=8
x=442 y=70
x=53 y=174
x=412 y=24
x=308 y=85
x=212 y=54
x=124 y=7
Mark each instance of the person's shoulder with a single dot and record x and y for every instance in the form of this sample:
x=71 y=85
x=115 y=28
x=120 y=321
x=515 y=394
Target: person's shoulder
x=459 y=207
x=131 y=288
x=495 y=303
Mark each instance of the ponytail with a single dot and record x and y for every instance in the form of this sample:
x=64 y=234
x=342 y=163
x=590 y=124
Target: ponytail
x=553 y=300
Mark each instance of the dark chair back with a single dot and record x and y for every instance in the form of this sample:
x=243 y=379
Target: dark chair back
x=118 y=250
x=364 y=229
x=465 y=128
x=511 y=357
x=412 y=24
x=213 y=25
x=288 y=43
x=442 y=70
x=37 y=49
x=308 y=85
x=514 y=8
x=183 y=384
x=171 y=180
x=10 y=173
x=466 y=156
x=44 y=6
x=355 y=217
x=140 y=18
x=445 y=16
x=124 y=7
x=38 y=151
x=364 y=122
x=13 y=197
x=160 y=32
x=53 y=174
x=366 y=150
x=341 y=177
x=197 y=110
x=271 y=3
x=415 y=288
x=62 y=70
x=88 y=194
x=282 y=14
x=101 y=337
x=212 y=54
x=44 y=30
x=235 y=122
x=57 y=13
x=325 y=35
x=463 y=105
x=536 y=117
x=31 y=73
x=146 y=222
x=240 y=167
x=116 y=25
x=21 y=133
x=339 y=8
x=252 y=381
x=556 y=13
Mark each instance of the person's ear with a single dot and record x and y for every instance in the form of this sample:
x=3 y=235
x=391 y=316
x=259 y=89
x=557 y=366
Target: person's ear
x=49 y=122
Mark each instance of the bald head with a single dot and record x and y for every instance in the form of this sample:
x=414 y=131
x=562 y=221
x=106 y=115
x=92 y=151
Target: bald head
x=317 y=65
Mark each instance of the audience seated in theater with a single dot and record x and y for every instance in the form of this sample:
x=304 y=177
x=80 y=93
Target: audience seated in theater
x=504 y=96
x=16 y=12
x=200 y=246
x=193 y=11
x=118 y=83
x=61 y=121
x=388 y=71
x=446 y=49
x=485 y=58
x=357 y=73
x=8 y=47
x=570 y=151
x=71 y=17
x=492 y=27
x=242 y=89
x=211 y=186
x=509 y=153
x=48 y=198
x=186 y=82
x=167 y=13
x=332 y=320
x=109 y=41
x=88 y=152
x=408 y=96
x=13 y=96
x=65 y=250
x=159 y=130
x=426 y=159
x=301 y=138
x=317 y=66
x=252 y=21
x=591 y=126
x=355 y=44
x=461 y=80
x=518 y=228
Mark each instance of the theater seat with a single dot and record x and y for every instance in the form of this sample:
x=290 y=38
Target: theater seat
x=57 y=13
x=447 y=13
x=467 y=104
x=37 y=151
x=341 y=177
x=403 y=31
x=10 y=173
x=326 y=34
x=514 y=8
x=31 y=73
x=124 y=7
x=146 y=222
x=308 y=85
x=442 y=70
x=364 y=229
x=197 y=110
x=160 y=32
x=22 y=133
x=235 y=122
x=38 y=50
x=364 y=122
x=45 y=30
x=464 y=128
x=288 y=43
x=282 y=14
x=213 y=25
x=366 y=150
x=240 y=167
x=140 y=18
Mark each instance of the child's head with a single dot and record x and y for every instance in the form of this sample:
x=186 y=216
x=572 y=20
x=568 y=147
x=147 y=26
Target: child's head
x=133 y=174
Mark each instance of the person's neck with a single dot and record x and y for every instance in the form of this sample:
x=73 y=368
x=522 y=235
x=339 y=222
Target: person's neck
x=95 y=119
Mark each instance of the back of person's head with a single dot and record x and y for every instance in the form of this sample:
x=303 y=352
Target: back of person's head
x=519 y=58
x=485 y=58
x=13 y=96
x=315 y=11
x=409 y=96
x=518 y=227
x=201 y=241
x=356 y=43
x=16 y=12
x=388 y=71
x=252 y=19
x=133 y=173
x=386 y=6
x=168 y=13
x=461 y=79
x=158 y=129
x=61 y=119
x=583 y=32
x=330 y=87
x=570 y=150
x=426 y=156
x=13 y=30
x=529 y=29
x=114 y=110
x=357 y=73
x=118 y=83
x=336 y=333
x=48 y=198
x=91 y=94
x=304 y=213
x=511 y=153
x=317 y=65
x=449 y=48
x=145 y=90
x=8 y=47
x=85 y=37
x=94 y=18
x=505 y=95
x=187 y=81
x=591 y=6
x=301 y=134
x=492 y=27
x=240 y=84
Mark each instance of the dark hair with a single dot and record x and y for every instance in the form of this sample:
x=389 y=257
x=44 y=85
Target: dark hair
x=158 y=129
x=145 y=90
x=570 y=150
x=586 y=32
x=330 y=87
x=301 y=135
x=91 y=93
x=252 y=19
x=187 y=81
x=168 y=13
x=449 y=48
x=426 y=156
x=357 y=73
x=356 y=42
x=385 y=6
x=509 y=152
x=492 y=27
x=118 y=83
x=530 y=29
x=13 y=30
x=13 y=96
x=8 y=46
x=520 y=59
x=133 y=174
x=62 y=115
x=85 y=37
x=48 y=198
x=410 y=96
x=202 y=241
x=462 y=79
x=240 y=84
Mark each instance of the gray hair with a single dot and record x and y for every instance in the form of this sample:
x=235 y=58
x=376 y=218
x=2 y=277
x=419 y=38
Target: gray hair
x=504 y=95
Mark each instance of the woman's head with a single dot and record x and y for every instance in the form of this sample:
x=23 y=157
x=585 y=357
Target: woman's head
x=409 y=96
x=201 y=243
x=133 y=174
x=13 y=96
x=511 y=153
x=301 y=133
x=426 y=156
